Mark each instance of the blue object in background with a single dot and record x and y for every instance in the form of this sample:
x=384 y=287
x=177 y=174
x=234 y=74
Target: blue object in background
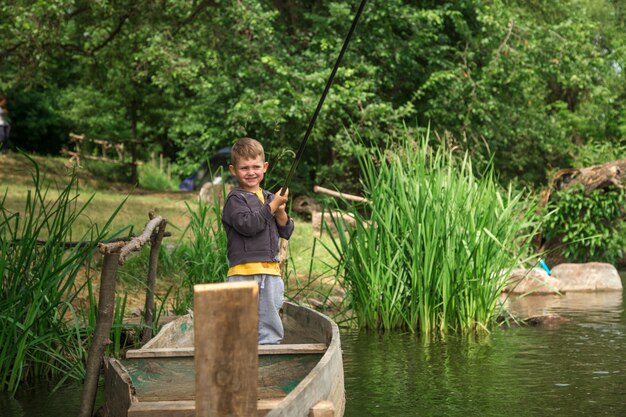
x=544 y=266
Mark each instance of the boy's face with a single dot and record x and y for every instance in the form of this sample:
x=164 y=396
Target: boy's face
x=249 y=172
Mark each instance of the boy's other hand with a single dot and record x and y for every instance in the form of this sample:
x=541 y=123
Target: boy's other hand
x=282 y=198
x=277 y=205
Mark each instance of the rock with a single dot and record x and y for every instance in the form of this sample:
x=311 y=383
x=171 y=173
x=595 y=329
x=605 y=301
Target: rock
x=591 y=276
x=335 y=300
x=545 y=320
x=327 y=222
x=134 y=312
x=317 y=304
x=536 y=281
x=305 y=205
x=209 y=192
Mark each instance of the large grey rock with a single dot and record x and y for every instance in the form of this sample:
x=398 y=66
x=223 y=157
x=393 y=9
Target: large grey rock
x=591 y=276
x=535 y=281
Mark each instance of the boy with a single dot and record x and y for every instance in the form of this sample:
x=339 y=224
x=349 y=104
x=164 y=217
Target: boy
x=254 y=219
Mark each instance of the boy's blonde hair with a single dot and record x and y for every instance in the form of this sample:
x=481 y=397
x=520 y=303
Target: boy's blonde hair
x=246 y=148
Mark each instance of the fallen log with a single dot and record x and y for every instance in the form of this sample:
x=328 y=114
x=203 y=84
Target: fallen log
x=349 y=197
x=611 y=174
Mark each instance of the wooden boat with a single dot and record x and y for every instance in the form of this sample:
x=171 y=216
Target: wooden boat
x=303 y=376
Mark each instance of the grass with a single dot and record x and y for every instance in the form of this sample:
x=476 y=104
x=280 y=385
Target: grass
x=15 y=178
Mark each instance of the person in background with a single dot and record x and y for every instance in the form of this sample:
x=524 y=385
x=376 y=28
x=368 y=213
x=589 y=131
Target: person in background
x=5 y=127
x=254 y=219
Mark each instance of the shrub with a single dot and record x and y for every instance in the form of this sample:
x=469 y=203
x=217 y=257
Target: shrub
x=591 y=227
x=108 y=171
x=152 y=178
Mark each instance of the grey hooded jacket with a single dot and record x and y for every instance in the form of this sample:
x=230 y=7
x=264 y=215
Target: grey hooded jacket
x=251 y=229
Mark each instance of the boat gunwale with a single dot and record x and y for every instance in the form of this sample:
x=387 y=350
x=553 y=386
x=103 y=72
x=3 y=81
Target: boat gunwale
x=325 y=362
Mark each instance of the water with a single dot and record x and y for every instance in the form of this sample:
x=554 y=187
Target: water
x=576 y=368
x=41 y=401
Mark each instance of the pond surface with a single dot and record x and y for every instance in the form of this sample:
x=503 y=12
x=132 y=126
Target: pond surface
x=575 y=368
x=38 y=401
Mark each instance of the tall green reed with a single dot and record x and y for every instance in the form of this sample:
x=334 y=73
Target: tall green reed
x=201 y=252
x=431 y=249
x=42 y=334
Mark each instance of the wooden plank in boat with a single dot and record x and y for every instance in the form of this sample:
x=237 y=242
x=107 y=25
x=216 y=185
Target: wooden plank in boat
x=323 y=409
x=186 y=408
x=302 y=348
x=291 y=349
x=163 y=409
x=163 y=379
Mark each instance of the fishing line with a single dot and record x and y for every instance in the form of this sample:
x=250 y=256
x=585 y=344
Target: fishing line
x=319 y=105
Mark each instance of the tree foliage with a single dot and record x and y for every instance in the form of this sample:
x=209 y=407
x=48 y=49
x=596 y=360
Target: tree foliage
x=523 y=81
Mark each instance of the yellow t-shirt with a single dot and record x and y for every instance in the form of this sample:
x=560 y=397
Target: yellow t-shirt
x=255 y=268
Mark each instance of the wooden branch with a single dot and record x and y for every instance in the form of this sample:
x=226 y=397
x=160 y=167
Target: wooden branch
x=137 y=243
x=194 y=14
x=113 y=247
x=119 y=148
x=8 y=51
x=506 y=38
x=96 y=158
x=106 y=307
x=69 y=245
x=76 y=138
x=102 y=142
x=337 y=194
x=111 y=35
x=150 y=288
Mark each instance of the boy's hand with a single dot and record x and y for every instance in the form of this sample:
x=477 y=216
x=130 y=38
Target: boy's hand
x=279 y=200
x=278 y=206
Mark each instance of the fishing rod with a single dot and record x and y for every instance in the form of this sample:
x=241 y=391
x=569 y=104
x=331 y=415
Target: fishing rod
x=296 y=160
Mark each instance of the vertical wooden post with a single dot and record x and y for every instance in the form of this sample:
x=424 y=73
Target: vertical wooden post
x=161 y=162
x=148 y=321
x=226 y=349
x=106 y=307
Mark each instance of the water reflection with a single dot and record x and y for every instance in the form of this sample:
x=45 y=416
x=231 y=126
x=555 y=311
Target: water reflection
x=577 y=368
x=594 y=306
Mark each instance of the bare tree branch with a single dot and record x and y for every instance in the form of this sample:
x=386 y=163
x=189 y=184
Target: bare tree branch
x=194 y=14
x=111 y=36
